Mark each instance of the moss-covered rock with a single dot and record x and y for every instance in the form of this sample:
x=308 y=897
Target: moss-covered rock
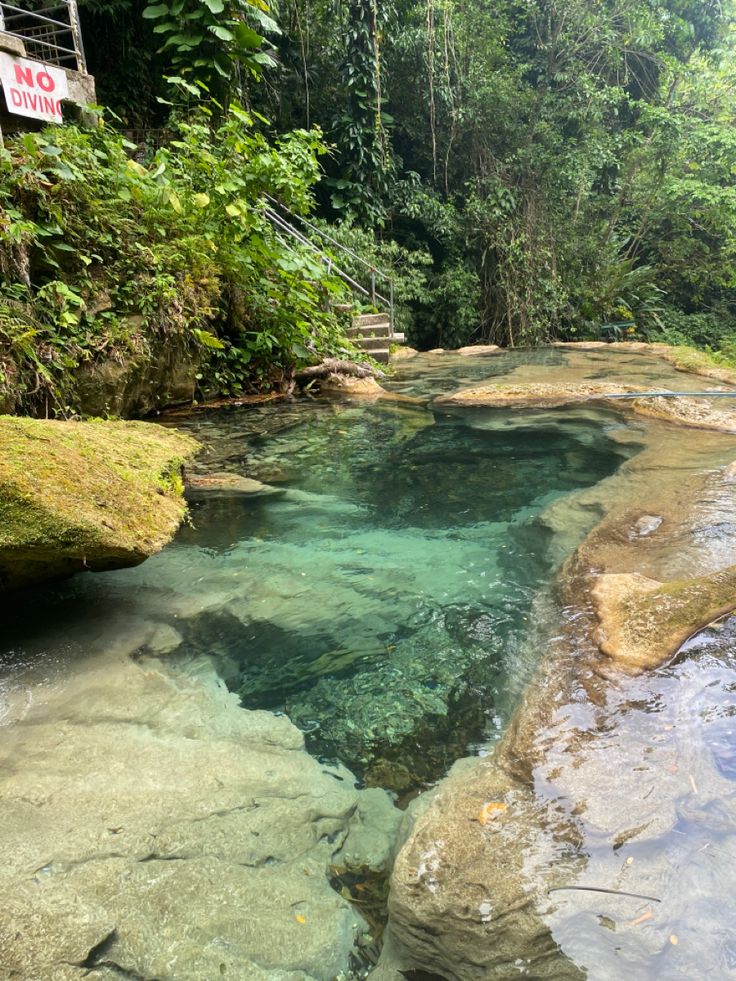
x=643 y=622
x=85 y=495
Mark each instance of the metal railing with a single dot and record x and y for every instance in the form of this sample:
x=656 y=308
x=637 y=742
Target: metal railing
x=49 y=31
x=277 y=216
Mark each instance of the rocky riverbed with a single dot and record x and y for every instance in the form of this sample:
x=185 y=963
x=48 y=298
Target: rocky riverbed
x=581 y=847
x=152 y=828
x=155 y=828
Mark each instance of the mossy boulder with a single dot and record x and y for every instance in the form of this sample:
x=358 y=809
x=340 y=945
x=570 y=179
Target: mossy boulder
x=85 y=495
x=643 y=621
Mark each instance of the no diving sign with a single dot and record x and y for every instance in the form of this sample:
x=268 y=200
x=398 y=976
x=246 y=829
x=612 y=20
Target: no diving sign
x=32 y=88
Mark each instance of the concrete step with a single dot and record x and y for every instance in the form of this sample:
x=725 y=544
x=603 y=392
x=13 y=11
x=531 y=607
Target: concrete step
x=371 y=319
x=368 y=330
x=380 y=356
x=372 y=343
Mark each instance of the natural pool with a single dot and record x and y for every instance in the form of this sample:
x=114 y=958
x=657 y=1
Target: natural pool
x=377 y=592
x=391 y=589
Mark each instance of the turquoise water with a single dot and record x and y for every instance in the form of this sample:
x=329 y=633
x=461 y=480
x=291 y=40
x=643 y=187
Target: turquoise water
x=379 y=592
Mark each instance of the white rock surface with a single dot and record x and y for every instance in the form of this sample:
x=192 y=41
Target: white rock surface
x=152 y=826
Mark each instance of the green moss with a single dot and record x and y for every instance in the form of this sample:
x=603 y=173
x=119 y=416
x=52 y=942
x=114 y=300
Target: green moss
x=86 y=495
x=701 y=362
x=645 y=622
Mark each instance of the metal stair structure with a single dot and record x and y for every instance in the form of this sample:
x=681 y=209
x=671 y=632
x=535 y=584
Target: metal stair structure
x=370 y=332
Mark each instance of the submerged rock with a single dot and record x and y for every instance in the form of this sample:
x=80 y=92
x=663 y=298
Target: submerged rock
x=229 y=485
x=363 y=388
x=76 y=495
x=209 y=855
x=646 y=525
x=611 y=793
x=401 y=719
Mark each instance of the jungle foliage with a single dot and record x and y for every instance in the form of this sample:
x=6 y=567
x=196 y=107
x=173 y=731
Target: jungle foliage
x=527 y=171
x=564 y=163
x=105 y=257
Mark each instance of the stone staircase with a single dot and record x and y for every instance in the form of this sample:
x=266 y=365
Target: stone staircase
x=371 y=332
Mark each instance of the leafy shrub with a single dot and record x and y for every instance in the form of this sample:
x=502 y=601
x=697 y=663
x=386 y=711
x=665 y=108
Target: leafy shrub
x=453 y=304
x=715 y=329
x=111 y=259
x=408 y=268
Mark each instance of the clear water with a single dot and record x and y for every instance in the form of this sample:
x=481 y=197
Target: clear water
x=436 y=374
x=664 y=764
x=379 y=594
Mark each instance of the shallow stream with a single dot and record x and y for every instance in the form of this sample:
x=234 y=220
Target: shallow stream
x=377 y=592
x=380 y=588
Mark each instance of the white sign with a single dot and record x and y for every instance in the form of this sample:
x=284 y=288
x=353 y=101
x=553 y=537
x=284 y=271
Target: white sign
x=32 y=88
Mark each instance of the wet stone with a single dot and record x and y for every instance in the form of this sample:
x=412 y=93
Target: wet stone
x=417 y=708
x=383 y=599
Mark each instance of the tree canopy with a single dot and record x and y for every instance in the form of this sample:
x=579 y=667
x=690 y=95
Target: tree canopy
x=527 y=169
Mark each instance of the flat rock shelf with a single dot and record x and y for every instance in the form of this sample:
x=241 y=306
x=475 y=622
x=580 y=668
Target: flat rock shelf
x=391 y=642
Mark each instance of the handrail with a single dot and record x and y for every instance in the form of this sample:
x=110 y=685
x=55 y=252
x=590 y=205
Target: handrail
x=51 y=39
x=332 y=266
x=333 y=241
x=280 y=222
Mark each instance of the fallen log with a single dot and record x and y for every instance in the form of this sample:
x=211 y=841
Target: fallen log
x=335 y=366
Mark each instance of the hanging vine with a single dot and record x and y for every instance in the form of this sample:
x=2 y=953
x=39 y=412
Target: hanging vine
x=359 y=128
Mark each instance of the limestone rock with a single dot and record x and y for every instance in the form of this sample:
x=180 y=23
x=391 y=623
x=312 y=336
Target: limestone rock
x=403 y=353
x=643 y=622
x=229 y=484
x=152 y=827
x=166 y=376
x=508 y=394
x=461 y=905
x=472 y=349
x=582 y=345
x=646 y=525
x=593 y=783
x=700 y=413
x=77 y=496
x=367 y=388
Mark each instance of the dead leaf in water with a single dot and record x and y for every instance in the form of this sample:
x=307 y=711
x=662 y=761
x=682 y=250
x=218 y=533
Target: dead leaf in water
x=491 y=810
x=648 y=915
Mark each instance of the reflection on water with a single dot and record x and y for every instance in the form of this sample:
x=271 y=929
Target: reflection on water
x=655 y=812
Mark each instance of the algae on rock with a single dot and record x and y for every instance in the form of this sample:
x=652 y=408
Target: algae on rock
x=85 y=495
